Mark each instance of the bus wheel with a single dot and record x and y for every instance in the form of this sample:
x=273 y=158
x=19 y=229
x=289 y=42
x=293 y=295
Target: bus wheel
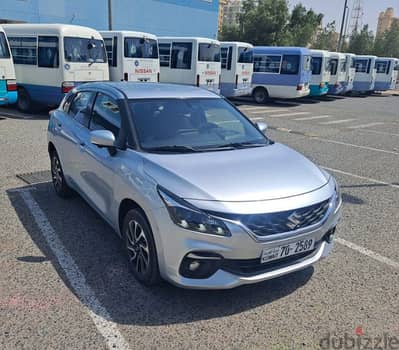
x=260 y=95
x=24 y=102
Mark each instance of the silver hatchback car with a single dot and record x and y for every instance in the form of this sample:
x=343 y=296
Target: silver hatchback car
x=200 y=196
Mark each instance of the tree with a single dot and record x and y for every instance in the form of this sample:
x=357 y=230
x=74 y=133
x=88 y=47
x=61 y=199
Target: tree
x=230 y=33
x=303 y=25
x=387 y=44
x=362 y=43
x=327 y=38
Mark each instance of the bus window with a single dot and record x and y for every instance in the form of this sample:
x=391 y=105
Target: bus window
x=353 y=62
x=111 y=45
x=362 y=66
x=4 y=51
x=164 y=55
x=209 y=53
x=24 y=49
x=84 y=50
x=140 y=48
x=290 y=64
x=307 y=61
x=381 y=67
x=245 y=55
x=343 y=66
x=48 y=52
x=181 y=55
x=327 y=66
x=316 y=65
x=334 y=66
x=226 y=54
x=267 y=64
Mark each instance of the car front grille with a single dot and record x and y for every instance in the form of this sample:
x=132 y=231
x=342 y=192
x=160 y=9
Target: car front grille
x=268 y=224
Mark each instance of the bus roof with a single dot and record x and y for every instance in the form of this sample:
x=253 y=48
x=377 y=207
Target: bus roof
x=182 y=38
x=386 y=59
x=237 y=43
x=337 y=54
x=366 y=56
x=281 y=50
x=128 y=33
x=50 y=29
x=319 y=52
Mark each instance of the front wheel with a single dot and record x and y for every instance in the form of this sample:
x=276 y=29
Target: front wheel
x=57 y=176
x=24 y=102
x=260 y=95
x=140 y=248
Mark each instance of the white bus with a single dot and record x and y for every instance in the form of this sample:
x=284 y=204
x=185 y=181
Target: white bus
x=350 y=73
x=321 y=73
x=386 y=73
x=50 y=59
x=338 y=73
x=8 y=84
x=237 y=62
x=365 y=74
x=132 y=56
x=191 y=61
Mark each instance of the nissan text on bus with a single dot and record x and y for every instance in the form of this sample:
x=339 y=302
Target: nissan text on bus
x=132 y=56
x=8 y=84
x=320 y=72
x=281 y=72
x=190 y=61
x=51 y=59
x=237 y=67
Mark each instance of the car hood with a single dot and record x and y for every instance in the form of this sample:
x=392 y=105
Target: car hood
x=244 y=175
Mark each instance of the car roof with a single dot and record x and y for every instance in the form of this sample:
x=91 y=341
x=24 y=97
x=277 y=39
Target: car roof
x=132 y=90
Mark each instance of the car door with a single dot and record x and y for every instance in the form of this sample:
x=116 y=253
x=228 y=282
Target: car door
x=71 y=125
x=97 y=165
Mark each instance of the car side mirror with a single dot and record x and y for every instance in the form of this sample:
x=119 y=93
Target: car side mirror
x=261 y=126
x=102 y=138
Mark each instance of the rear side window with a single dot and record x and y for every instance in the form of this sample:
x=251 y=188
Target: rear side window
x=48 y=52
x=267 y=64
x=106 y=115
x=226 y=54
x=24 y=49
x=316 y=65
x=181 y=55
x=290 y=64
x=164 y=55
x=4 y=51
x=111 y=45
x=334 y=66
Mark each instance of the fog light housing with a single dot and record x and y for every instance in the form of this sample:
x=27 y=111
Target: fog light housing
x=200 y=265
x=329 y=236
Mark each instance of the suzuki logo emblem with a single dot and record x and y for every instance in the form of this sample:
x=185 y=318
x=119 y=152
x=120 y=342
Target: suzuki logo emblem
x=294 y=220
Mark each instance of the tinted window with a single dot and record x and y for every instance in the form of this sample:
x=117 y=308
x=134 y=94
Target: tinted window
x=181 y=55
x=111 y=46
x=164 y=55
x=24 y=49
x=84 y=50
x=4 y=51
x=333 y=66
x=267 y=64
x=141 y=48
x=48 y=53
x=208 y=53
x=382 y=67
x=316 y=65
x=198 y=123
x=362 y=65
x=245 y=55
x=106 y=115
x=290 y=64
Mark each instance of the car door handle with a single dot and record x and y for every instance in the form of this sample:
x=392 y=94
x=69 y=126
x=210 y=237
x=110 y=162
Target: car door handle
x=82 y=143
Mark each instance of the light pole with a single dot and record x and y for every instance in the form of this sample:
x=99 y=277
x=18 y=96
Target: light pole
x=341 y=33
x=109 y=14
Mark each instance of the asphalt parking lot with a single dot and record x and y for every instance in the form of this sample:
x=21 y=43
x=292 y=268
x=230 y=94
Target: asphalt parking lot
x=65 y=285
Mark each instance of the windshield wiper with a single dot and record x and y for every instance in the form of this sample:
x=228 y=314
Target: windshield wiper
x=172 y=149
x=243 y=145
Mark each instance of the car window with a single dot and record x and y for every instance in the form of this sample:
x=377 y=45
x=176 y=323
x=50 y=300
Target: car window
x=80 y=102
x=106 y=115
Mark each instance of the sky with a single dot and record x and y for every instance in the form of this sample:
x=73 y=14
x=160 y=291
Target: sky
x=333 y=9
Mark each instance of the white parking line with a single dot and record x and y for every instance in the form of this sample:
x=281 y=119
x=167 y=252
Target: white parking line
x=341 y=121
x=368 y=252
x=361 y=177
x=379 y=132
x=258 y=118
x=100 y=316
x=314 y=117
x=269 y=111
x=364 y=125
x=250 y=108
x=288 y=114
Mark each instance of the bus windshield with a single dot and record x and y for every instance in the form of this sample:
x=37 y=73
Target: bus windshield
x=4 y=51
x=245 y=55
x=209 y=53
x=141 y=48
x=84 y=50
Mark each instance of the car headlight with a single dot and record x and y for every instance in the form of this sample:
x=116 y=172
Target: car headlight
x=187 y=216
x=338 y=196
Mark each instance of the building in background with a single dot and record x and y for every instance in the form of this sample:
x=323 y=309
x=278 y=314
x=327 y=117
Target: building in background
x=231 y=11
x=222 y=4
x=385 y=20
x=161 y=17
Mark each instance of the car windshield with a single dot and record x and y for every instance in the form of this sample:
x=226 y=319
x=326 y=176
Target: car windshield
x=4 y=51
x=141 y=48
x=84 y=50
x=181 y=125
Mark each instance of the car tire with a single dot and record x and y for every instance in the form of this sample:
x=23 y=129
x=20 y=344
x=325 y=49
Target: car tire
x=140 y=248
x=57 y=176
x=260 y=95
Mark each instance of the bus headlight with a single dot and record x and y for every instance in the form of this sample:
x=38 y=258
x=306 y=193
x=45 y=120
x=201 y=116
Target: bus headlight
x=187 y=216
